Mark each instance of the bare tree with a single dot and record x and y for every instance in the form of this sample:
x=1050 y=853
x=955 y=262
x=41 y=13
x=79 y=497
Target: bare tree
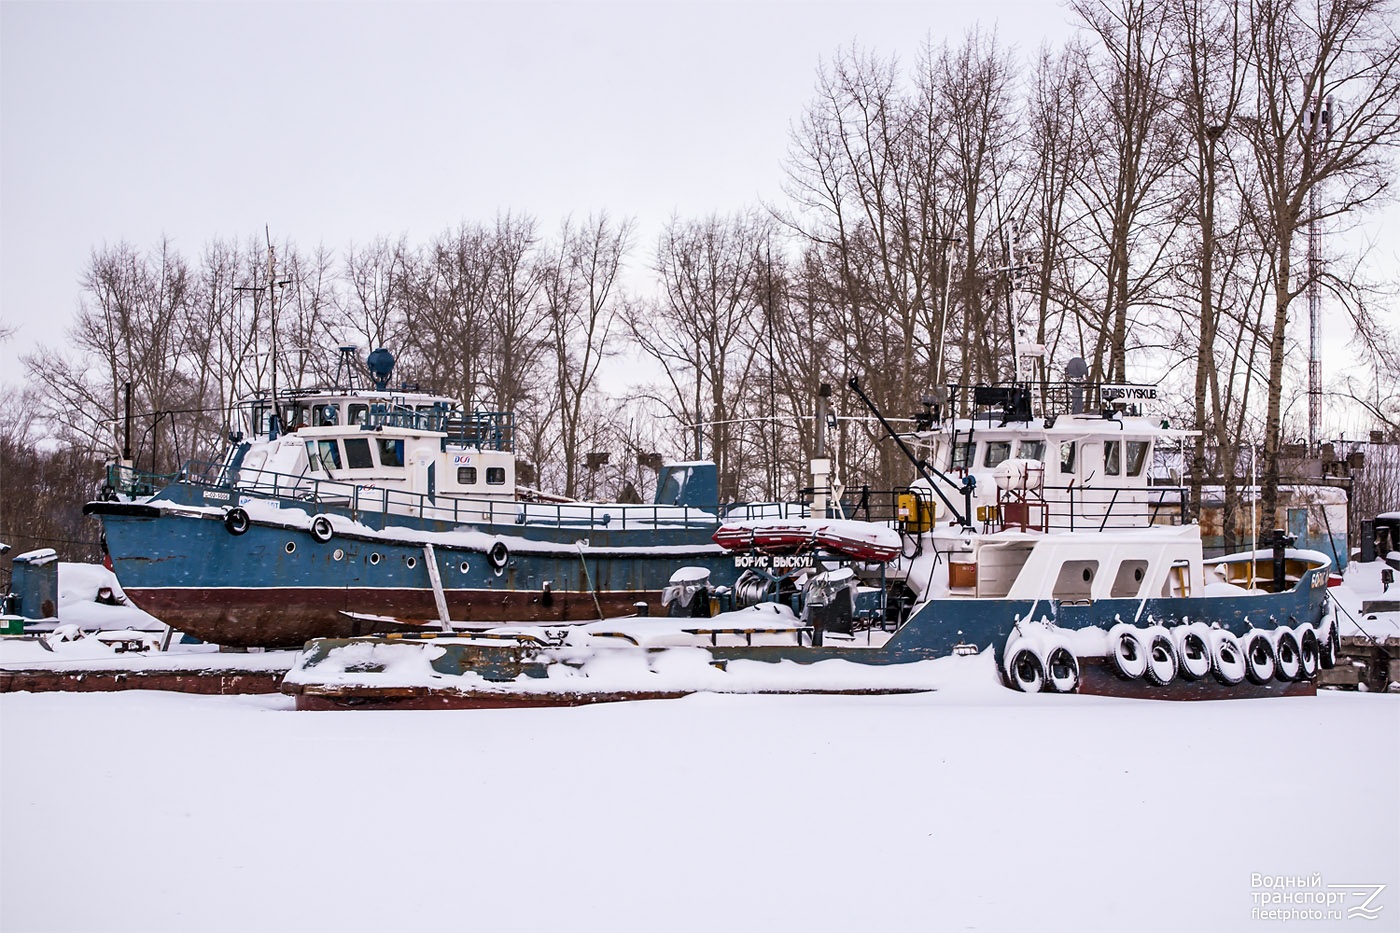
x=704 y=330
x=1123 y=189
x=1324 y=110
x=578 y=289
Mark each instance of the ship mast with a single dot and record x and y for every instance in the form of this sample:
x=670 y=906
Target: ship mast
x=271 y=286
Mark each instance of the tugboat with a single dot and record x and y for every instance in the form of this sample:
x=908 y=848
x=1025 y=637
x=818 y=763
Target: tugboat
x=1037 y=538
x=344 y=511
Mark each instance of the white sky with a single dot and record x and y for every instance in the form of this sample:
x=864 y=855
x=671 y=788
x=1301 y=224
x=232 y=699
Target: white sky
x=335 y=122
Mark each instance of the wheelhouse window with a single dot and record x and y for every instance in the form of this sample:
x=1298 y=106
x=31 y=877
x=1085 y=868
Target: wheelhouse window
x=1032 y=450
x=313 y=457
x=390 y=452
x=359 y=414
x=330 y=454
x=466 y=476
x=295 y=416
x=997 y=451
x=1137 y=456
x=1113 y=457
x=1067 y=452
x=357 y=455
x=325 y=415
x=963 y=454
x=495 y=476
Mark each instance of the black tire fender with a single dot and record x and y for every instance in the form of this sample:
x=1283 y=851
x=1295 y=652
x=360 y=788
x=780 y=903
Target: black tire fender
x=237 y=521
x=1026 y=671
x=1309 y=652
x=1288 y=655
x=1261 y=661
x=498 y=555
x=321 y=528
x=1062 y=670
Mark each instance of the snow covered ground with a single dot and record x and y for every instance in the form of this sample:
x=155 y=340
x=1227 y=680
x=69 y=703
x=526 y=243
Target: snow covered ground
x=1362 y=583
x=970 y=808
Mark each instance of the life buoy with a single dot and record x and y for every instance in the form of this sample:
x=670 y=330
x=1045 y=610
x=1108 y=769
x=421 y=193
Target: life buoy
x=498 y=555
x=321 y=528
x=1227 y=658
x=1308 y=652
x=237 y=521
x=1026 y=670
x=1062 y=670
x=1129 y=653
x=1261 y=663
x=1161 y=657
x=1192 y=653
x=1288 y=654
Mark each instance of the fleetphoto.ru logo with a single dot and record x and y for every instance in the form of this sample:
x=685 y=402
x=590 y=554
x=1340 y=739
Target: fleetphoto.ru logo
x=1308 y=897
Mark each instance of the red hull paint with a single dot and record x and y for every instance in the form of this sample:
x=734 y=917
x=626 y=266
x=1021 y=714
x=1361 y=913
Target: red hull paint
x=1099 y=678
x=288 y=617
x=219 y=683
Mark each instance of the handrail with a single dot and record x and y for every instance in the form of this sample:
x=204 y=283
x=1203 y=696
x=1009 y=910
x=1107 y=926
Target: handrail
x=359 y=497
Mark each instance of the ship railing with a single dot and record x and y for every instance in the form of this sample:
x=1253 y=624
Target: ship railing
x=1066 y=508
x=1080 y=508
x=134 y=483
x=485 y=430
x=368 y=498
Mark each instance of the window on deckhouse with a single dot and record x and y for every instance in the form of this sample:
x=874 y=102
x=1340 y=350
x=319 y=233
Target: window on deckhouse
x=1137 y=456
x=357 y=455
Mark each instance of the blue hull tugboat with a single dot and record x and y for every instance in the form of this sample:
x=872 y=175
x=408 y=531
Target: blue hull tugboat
x=348 y=511
x=1036 y=538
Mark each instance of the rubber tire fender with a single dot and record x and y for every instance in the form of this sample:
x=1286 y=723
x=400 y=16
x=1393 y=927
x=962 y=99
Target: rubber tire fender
x=1025 y=670
x=1227 y=661
x=237 y=521
x=1261 y=661
x=1193 y=658
x=1309 y=652
x=1162 y=665
x=1062 y=670
x=321 y=528
x=498 y=555
x=1128 y=651
x=1332 y=653
x=1287 y=655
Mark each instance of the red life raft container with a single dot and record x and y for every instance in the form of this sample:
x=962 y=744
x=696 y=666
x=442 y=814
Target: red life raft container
x=862 y=541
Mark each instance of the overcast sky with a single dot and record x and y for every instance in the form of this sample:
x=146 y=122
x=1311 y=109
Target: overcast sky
x=335 y=122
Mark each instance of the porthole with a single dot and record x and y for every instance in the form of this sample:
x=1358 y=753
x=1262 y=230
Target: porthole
x=374 y=558
x=464 y=567
x=411 y=563
x=291 y=547
x=338 y=554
